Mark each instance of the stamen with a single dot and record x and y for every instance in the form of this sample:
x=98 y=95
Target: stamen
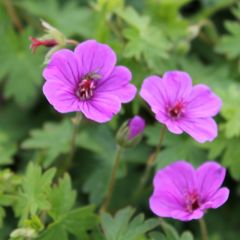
x=86 y=86
x=192 y=202
x=176 y=111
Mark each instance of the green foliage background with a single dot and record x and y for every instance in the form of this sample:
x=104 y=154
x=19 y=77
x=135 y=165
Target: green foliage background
x=150 y=37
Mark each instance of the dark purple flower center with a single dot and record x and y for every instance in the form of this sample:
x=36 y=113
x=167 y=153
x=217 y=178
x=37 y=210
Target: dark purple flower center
x=192 y=202
x=176 y=111
x=87 y=86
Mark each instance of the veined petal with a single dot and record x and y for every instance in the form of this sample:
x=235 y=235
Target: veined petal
x=62 y=68
x=173 y=126
x=201 y=129
x=61 y=97
x=186 y=216
x=118 y=84
x=219 y=198
x=94 y=57
x=101 y=108
x=177 y=85
x=178 y=179
x=164 y=203
x=210 y=178
x=154 y=94
x=202 y=102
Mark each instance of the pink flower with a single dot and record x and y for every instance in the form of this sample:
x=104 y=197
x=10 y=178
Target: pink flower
x=181 y=106
x=185 y=193
x=88 y=81
x=136 y=126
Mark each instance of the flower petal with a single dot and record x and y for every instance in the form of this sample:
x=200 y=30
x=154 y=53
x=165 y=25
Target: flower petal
x=202 y=102
x=173 y=126
x=154 y=94
x=186 y=216
x=177 y=178
x=210 y=178
x=94 y=57
x=62 y=68
x=163 y=204
x=220 y=197
x=201 y=129
x=118 y=83
x=61 y=97
x=101 y=108
x=178 y=86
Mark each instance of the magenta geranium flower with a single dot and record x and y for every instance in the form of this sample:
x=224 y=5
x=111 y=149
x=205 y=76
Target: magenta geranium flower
x=88 y=81
x=181 y=106
x=185 y=193
x=136 y=126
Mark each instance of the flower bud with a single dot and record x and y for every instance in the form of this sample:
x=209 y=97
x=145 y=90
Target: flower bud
x=130 y=133
x=53 y=39
x=36 y=42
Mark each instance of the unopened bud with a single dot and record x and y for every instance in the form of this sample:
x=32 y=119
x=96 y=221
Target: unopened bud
x=52 y=38
x=130 y=133
x=38 y=42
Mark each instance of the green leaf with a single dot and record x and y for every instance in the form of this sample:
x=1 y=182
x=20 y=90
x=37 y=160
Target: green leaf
x=124 y=226
x=217 y=75
x=21 y=68
x=230 y=110
x=34 y=190
x=76 y=222
x=180 y=148
x=62 y=198
x=9 y=183
x=228 y=150
x=82 y=17
x=229 y=44
x=157 y=236
x=80 y=220
x=55 y=231
x=144 y=39
x=7 y=149
x=54 y=139
x=170 y=232
x=97 y=181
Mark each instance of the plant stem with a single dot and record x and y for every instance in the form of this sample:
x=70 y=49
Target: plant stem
x=13 y=15
x=203 y=229
x=69 y=160
x=150 y=162
x=72 y=42
x=112 y=180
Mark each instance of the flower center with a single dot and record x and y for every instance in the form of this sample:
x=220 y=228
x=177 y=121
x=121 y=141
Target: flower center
x=192 y=202
x=87 y=86
x=176 y=111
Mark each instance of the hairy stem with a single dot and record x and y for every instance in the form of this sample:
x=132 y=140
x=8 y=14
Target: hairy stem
x=150 y=162
x=72 y=42
x=112 y=180
x=203 y=229
x=13 y=15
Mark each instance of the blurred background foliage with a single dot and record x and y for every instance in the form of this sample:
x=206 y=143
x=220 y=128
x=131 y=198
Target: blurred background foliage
x=201 y=37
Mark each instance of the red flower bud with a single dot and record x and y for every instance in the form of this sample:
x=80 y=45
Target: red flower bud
x=37 y=42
